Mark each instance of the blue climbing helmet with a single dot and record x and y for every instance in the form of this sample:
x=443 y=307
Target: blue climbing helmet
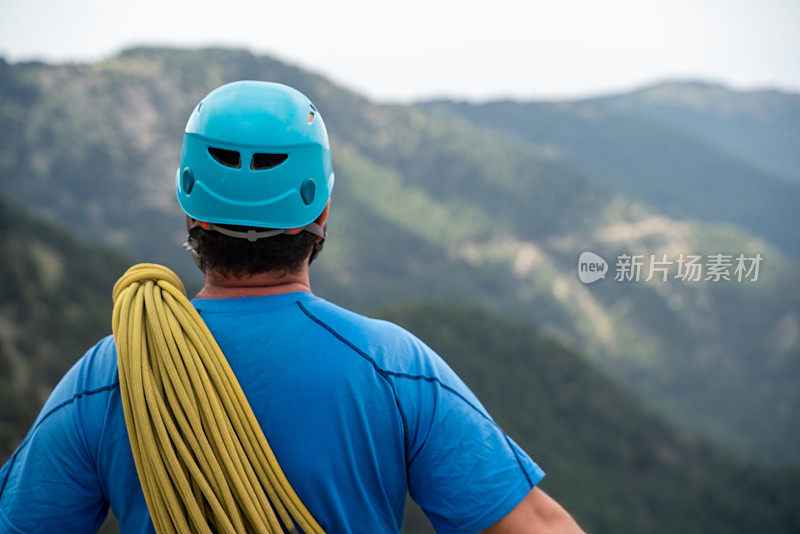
x=255 y=154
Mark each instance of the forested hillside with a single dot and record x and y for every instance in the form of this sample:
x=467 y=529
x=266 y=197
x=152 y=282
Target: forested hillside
x=427 y=204
x=614 y=466
x=55 y=302
x=689 y=150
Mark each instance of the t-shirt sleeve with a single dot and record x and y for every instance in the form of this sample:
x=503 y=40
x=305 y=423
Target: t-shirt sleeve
x=463 y=470
x=50 y=483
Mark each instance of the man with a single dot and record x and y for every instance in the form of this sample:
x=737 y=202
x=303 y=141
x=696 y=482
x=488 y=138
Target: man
x=357 y=411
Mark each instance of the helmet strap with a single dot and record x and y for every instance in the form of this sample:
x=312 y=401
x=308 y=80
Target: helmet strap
x=254 y=235
x=190 y=245
x=318 y=244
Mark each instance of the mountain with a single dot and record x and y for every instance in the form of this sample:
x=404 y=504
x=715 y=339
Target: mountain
x=686 y=150
x=759 y=126
x=429 y=205
x=612 y=465
x=55 y=302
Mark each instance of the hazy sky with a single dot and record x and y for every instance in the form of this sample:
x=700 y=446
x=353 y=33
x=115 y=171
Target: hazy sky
x=417 y=48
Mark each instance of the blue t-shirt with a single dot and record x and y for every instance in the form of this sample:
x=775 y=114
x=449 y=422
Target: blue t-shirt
x=358 y=411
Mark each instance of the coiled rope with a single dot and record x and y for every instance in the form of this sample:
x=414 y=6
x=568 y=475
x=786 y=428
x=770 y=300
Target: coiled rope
x=202 y=459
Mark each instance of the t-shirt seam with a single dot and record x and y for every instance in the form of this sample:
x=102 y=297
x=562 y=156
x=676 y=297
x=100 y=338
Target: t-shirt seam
x=75 y=397
x=364 y=355
x=445 y=387
x=384 y=372
x=468 y=403
x=522 y=467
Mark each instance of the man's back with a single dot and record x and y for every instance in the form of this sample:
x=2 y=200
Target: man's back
x=357 y=411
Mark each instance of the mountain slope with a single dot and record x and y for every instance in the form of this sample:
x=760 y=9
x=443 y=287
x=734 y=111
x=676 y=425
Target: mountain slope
x=55 y=302
x=647 y=156
x=613 y=466
x=427 y=205
x=760 y=126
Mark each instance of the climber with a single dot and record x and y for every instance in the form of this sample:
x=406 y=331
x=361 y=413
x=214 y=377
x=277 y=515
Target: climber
x=358 y=412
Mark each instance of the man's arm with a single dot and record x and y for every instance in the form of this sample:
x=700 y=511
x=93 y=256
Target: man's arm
x=51 y=483
x=537 y=513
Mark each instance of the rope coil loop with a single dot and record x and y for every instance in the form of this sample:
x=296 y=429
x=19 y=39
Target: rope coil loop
x=146 y=271
x=203 y=462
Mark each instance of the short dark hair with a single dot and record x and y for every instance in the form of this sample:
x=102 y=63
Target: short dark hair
x=234 y=256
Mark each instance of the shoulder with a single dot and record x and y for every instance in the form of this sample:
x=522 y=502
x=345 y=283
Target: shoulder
x=97 y=368
x=94 y=373
x=391 y=347
x=421 y=377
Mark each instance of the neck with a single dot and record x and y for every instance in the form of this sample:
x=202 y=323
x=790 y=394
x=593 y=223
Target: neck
x=219 y=286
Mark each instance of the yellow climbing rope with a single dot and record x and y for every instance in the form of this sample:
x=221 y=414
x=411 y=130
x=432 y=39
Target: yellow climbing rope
x=202 y=459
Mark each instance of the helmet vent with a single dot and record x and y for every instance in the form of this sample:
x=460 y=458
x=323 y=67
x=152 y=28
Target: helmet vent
x=229 y=158
x=262 y=161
